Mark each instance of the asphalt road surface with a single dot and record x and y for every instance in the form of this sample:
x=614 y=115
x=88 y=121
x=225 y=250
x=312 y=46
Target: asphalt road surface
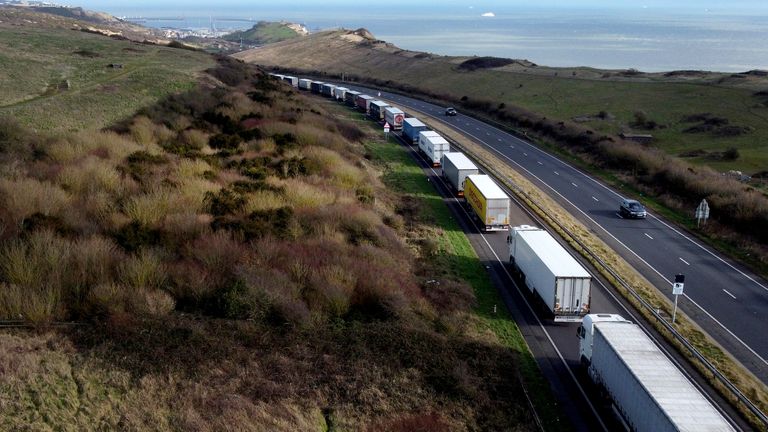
x=721 y=296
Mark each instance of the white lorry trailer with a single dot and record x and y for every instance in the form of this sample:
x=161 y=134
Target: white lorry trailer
x=339 y=93
x=489 y=203
x=648 y=391
x=305 y=84
x=394 y=116
x=456 y=167
x=433 y=146
x=549 y=271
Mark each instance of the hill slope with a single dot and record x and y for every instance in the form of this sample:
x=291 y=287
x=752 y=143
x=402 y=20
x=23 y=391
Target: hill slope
x=671 y=101
x=267 y=32
x=53 y=76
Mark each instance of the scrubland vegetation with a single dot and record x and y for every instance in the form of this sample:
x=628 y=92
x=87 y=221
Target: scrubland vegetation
x=231 y=259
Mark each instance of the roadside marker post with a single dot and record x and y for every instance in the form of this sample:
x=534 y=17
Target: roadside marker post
x=677 y=291
x=702 y=213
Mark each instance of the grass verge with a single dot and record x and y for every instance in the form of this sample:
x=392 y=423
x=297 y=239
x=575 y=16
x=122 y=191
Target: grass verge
x=458 y=259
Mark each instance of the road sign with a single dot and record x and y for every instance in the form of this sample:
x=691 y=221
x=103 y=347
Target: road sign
x=702 y=212
x=677 y=290
x=386 y=127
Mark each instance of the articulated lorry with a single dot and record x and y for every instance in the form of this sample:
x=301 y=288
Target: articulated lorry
x=488 y=202
x=456 y=167
x=549 y=271
x=647 y=389
x=411 y=128
x=394 y=116
x=433 y=146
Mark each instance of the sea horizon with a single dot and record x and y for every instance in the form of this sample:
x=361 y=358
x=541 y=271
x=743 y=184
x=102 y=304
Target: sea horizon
x=646 y=39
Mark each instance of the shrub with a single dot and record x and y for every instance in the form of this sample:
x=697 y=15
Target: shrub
x=35 y=272
x=151 y=208
x=224 y=202
x=25 y=197
x=484 y=63
x=91 y=176
x=144 y=269
x=731 y=154
x=134 y=236
x=224 y=142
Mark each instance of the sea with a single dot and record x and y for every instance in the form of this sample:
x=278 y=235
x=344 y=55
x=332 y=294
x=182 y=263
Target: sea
x=647 y=38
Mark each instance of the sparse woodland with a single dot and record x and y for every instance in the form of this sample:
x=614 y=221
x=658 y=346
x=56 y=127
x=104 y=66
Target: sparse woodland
x=231 y=261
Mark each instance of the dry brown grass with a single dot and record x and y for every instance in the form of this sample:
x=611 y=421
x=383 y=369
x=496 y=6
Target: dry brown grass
x=20 y=198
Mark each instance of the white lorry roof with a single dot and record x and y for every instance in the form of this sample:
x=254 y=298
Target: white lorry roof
x=487 y=186
x=393 y=110
x=672 y=391
x=354 y=92
x=364 y=96
x=552 y=254
x=460 y=161
x=379 y=103
x=434 y=138
x=414 y=122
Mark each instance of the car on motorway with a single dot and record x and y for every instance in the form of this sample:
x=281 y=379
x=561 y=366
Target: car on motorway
x=632 y=209
x=450 y=111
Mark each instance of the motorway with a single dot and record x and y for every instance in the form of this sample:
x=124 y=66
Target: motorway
x=555 y=345
x=725 y=299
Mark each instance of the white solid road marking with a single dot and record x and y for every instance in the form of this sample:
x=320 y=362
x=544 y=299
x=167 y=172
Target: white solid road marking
x=648 y=235
x=732 y=296
x=595 y=199
x=686 y=262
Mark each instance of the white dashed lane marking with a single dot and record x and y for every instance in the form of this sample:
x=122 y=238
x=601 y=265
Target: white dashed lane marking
x=732 y=296
x=595 y=199
x=648 y=235
x=684 y=261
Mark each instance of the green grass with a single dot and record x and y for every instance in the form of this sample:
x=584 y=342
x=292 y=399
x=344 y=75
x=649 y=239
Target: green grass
x=33 y=62
x=458 y=259
x=263 y=33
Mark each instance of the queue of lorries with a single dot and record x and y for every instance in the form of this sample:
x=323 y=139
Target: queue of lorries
x=647 y=389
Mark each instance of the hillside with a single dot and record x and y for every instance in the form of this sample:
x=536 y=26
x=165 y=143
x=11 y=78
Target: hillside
x=54 y=76
x=671 y=101
x=233 y=255
x=265 y=32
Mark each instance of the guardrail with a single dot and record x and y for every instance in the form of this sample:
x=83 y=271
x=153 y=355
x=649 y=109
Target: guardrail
x=598 y=262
